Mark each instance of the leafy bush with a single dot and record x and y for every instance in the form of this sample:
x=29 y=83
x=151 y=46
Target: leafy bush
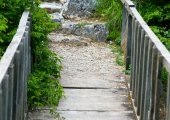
x=43 y=85
x=111 y=11
x=157 y=15
x=10 y=14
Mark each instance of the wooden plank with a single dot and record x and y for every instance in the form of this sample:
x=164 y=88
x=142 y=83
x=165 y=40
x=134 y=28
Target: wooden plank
x=90 y=82
x=133 y=61
x=135 y=55
x=154 y=101
x=129 y=39
x=5 y=97
x=16 y=84
x=143 y=85
x=123 y=23
x=141 y=56
x=1 y=104
x=168 y=100
x=148 y=82
x=132 y=55
x=10 y=91
x=137 y=62
x=20 y=81
x=97 y=115
x=93 y=100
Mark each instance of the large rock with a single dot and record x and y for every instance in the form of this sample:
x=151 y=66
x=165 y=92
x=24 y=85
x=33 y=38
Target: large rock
x=93 y=30
x=79 y=8
x=57 y=17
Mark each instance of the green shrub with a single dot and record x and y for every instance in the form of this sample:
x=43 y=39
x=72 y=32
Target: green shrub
x=43 y=85
x=111 y=11
x=157 y=15
x=44 y=88
x=10 y=13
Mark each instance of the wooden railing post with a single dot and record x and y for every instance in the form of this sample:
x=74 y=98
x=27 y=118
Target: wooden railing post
x=5 y=96
x=168 y=100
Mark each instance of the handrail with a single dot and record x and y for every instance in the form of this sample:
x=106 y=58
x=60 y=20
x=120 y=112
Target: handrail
x=15 y=66
x=146 y=57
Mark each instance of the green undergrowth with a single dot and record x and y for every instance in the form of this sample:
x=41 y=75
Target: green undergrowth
x=44 y=88
x=111 y=12
x=116 y=49
x=157 y=14
x=10 y=14
x=119 y=55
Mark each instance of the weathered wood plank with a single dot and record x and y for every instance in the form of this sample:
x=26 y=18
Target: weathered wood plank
x=10 y=91
x=155 y=85
x=5 y=97
x=16 y=84
x=143 y=85
x=1 y=104
x=168 y=100
x=132 y=59
x=93 y=99
x=148 y=82
x=97 y=115
x=141 y=55
x=137 y=62
x=129 y=37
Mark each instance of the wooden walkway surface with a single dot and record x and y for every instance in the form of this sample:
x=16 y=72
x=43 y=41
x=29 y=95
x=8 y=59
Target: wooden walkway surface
x=94 y=85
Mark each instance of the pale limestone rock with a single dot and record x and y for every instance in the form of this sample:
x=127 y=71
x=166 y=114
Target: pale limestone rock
x=63 y=1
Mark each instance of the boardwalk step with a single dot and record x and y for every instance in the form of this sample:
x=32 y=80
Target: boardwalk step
x=95 y=115
x=93 y=99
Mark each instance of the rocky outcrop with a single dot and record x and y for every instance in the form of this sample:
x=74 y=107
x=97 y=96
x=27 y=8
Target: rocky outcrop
x=94 y=30
x=69 y=9
x=79 y=8
x=73 y=16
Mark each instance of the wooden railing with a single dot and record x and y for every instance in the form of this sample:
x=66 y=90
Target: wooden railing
x=15 y=67
x=146 y=57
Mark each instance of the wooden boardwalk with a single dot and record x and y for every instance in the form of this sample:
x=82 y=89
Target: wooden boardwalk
x=94 y=85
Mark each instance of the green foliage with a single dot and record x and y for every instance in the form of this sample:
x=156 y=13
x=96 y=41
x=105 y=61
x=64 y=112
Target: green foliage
x=164 y=77
x=111 y=11
x=163 y=35
x=43 y=89
x=10 y=13
x=116 y=49
x=157 y=15
x=43 y=85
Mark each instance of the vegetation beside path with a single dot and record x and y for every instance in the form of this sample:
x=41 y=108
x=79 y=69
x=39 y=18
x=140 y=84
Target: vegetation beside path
x=43 y=86
x=155 y=12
